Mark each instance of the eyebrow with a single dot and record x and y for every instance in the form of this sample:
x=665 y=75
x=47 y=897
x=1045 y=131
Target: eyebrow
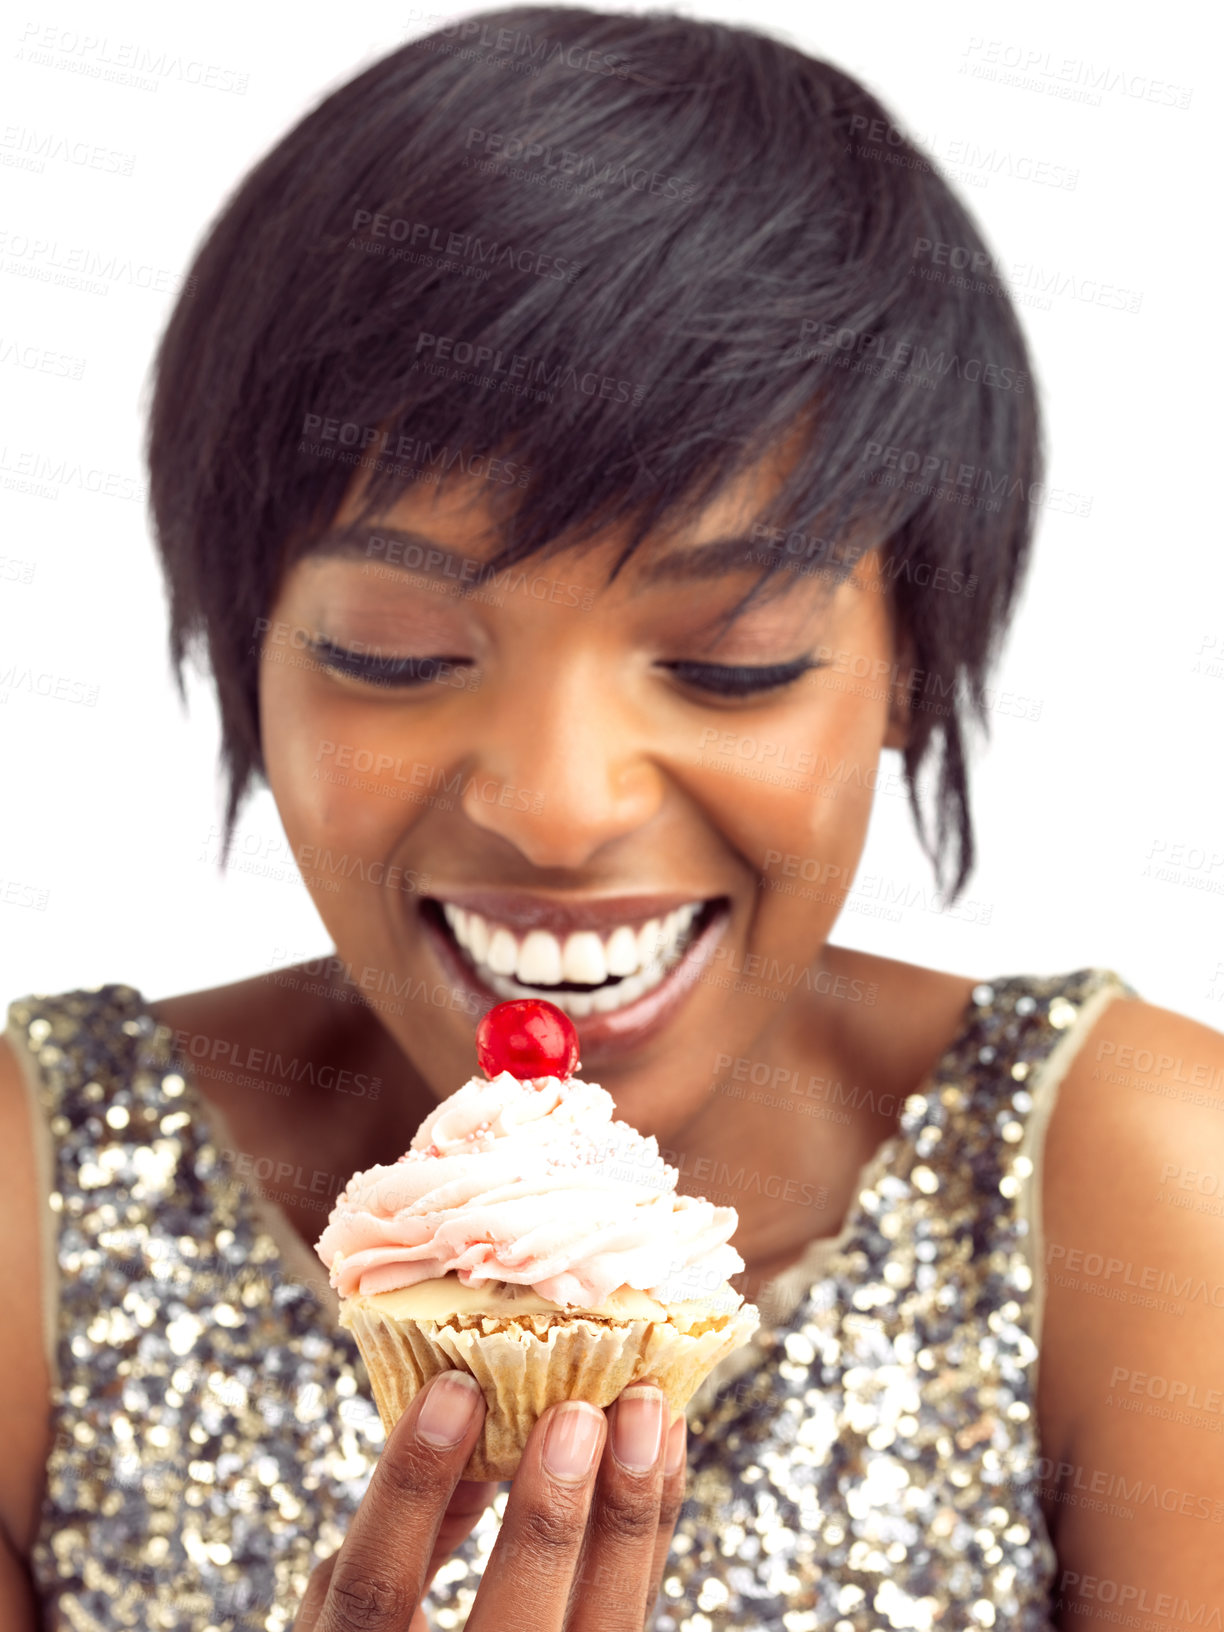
x=417 y=553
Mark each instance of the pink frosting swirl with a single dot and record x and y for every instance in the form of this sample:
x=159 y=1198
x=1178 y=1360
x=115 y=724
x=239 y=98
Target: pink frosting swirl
x=533 y=1183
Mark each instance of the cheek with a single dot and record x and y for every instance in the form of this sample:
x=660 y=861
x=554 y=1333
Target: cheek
x=329 y=766
x=795 y=798
x=811 y=838
x=815 y=839
x=843 y=785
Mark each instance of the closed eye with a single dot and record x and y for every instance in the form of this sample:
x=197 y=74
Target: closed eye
x=725 y=680
x=379 y=669
x=721 y=679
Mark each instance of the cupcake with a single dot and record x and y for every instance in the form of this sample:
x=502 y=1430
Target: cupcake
x=532 y=1240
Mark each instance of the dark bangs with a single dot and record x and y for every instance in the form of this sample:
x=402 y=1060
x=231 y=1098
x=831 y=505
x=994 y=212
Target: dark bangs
x=628 y=257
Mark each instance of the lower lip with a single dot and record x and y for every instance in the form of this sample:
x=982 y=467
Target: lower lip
x=601 y=1037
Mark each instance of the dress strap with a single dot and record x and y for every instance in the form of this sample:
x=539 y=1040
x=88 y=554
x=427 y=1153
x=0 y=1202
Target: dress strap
x=985 y=1108
x=22 y=1017
x=67 y=1046
x=1088 y=993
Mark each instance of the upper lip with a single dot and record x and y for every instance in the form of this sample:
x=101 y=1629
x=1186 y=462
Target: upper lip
x=519 y=910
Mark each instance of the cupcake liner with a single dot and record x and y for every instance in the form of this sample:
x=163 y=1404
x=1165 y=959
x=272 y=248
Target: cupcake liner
x=528 y=1363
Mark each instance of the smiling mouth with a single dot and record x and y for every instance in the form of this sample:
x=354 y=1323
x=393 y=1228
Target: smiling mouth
x=584 y=973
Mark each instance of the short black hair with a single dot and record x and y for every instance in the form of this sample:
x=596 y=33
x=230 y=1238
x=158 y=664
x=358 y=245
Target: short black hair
x=664 y=245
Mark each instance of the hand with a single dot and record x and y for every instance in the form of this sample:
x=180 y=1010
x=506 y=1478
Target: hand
x=583 y=1542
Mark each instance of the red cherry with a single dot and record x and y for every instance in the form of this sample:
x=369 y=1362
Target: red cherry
x=529 y=1038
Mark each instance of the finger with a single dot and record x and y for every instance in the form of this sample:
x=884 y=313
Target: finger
x=526 y=1583
x=675 y=1473
x=379 y=1573
x=469 y=1501
x=316 y=1591
x=618 y=1555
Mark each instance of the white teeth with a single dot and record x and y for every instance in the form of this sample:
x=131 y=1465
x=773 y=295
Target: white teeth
x=503 y=986
x=539 y=959
x=649 y=941
x=621 y=951
x=478 y=938
x=503 y=952
x=619 y=968
x=583 y=958
x=580 y=1004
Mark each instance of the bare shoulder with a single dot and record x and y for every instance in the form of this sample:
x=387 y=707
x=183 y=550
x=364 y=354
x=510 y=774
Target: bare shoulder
x=301 y=1031
x=892 y=1020
x=24 y=1378
x=264 y=999
x=1131 y=1389
x=300 y=1007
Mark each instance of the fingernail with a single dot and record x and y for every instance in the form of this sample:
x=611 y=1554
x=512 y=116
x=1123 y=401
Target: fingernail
x=572 y=1440
x=449 y=1408
x=637 y=1429
x=675 y=1448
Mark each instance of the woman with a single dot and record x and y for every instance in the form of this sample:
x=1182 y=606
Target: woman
x=566 y=453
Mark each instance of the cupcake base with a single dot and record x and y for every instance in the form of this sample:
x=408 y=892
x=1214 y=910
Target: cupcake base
x=525 y=1363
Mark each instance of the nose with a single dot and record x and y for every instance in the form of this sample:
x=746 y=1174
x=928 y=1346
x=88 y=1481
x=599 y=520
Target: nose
x=565 y=768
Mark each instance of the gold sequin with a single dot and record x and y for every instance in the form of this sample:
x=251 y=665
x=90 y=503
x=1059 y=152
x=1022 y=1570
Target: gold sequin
x=875 y=1467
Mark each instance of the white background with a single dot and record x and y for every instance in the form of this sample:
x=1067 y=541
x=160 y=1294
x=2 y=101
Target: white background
x=107 y=868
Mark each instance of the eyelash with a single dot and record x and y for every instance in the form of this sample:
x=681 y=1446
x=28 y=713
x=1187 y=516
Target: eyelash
x=720 y=679
x=379 y=671
x=725 y=680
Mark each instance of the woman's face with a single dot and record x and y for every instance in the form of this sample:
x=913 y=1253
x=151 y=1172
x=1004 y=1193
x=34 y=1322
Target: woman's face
x=522 y=813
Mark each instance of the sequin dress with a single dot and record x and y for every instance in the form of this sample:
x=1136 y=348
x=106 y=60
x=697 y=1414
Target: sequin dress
x=869 y=1462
